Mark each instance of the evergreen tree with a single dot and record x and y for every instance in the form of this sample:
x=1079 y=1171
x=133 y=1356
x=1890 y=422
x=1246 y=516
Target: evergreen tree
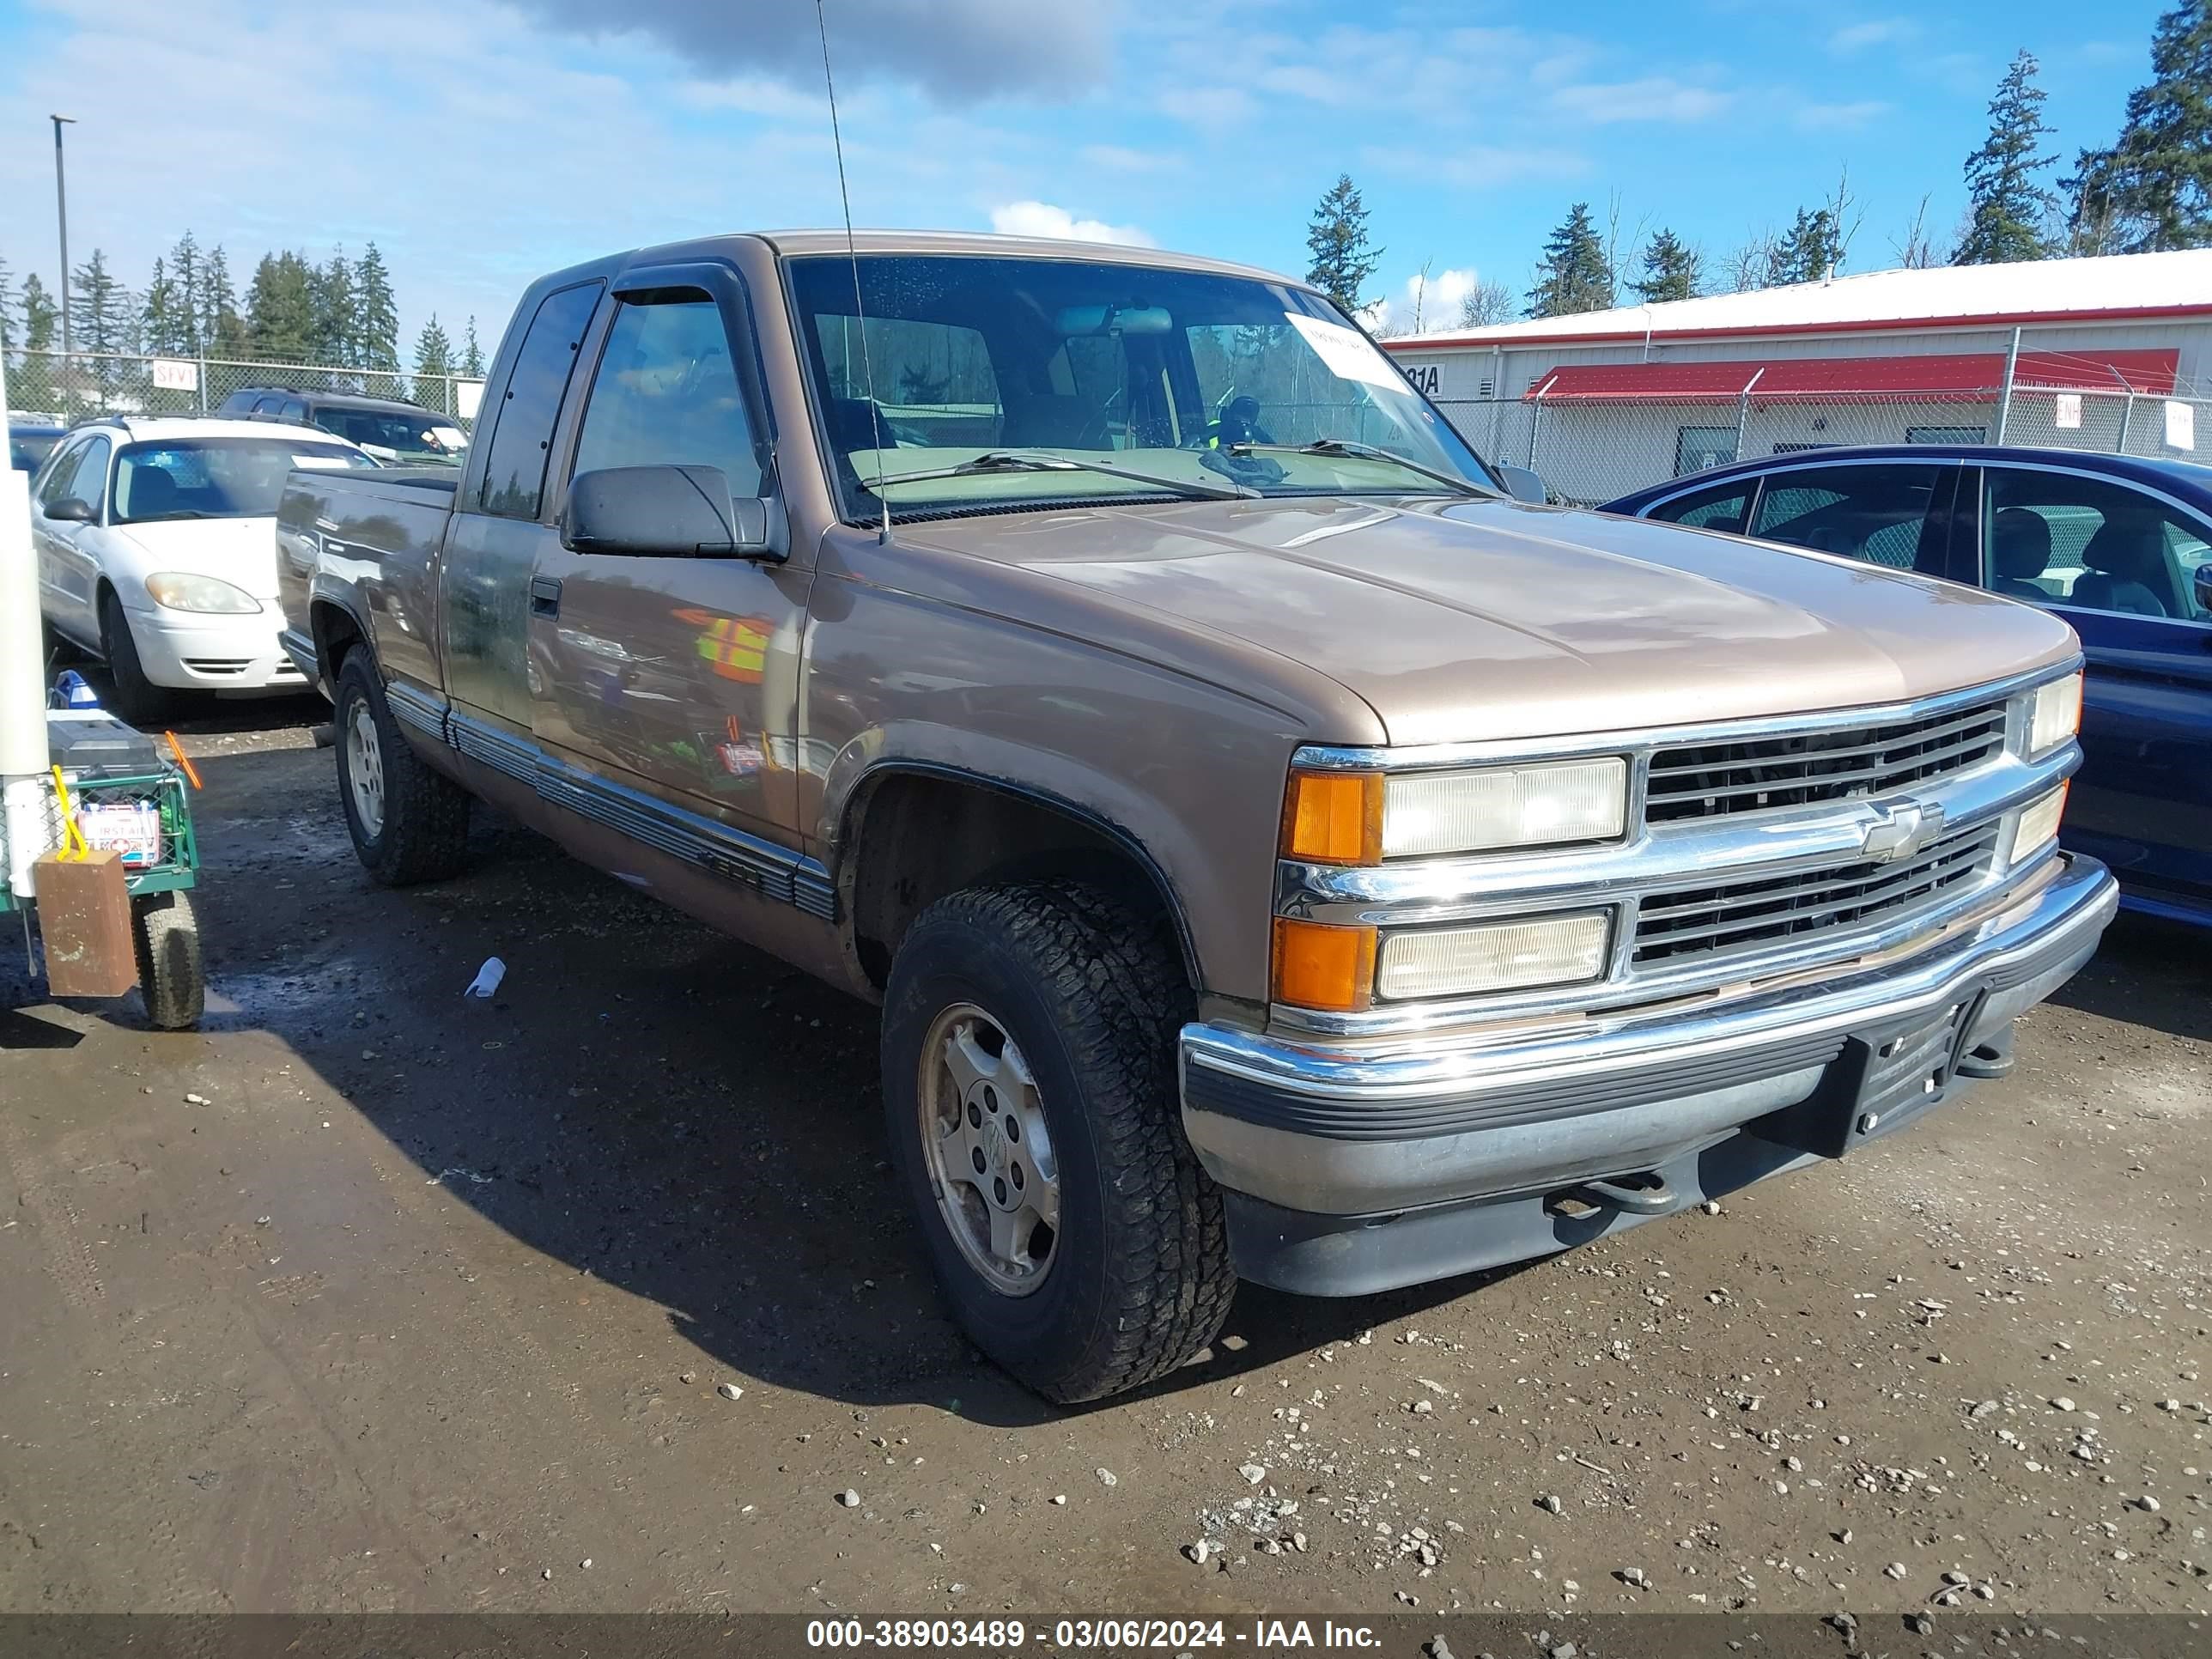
x=2152 y=189
x=98 y=308
x=280 y=309
x=165 y=328
x=472 y=363
x=34 y=384
x=434 y=363
x=1573 y=276
x=1670 y=269
x=1343 y=259
x=335 y=328
x=42 y=315
x=1811 y=249
x=187 y=274
x=7 y=307
x=2005 y=209
x=222 y=330
x=376 y=317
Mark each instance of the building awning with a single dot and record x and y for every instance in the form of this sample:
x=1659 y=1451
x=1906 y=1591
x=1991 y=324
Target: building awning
x=1955 y=375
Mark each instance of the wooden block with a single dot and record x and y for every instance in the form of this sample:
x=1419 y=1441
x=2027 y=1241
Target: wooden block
x=84 y=918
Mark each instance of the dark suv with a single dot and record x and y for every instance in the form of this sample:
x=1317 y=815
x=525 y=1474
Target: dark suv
x=387 y=427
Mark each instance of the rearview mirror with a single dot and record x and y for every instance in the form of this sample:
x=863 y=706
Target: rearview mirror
x=1523 y=484
x=1117 y=319
x=73 y=508
x=2203 y=582
x=665 y=511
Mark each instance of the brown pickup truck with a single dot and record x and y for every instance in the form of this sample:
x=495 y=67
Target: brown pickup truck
x=1278 y=853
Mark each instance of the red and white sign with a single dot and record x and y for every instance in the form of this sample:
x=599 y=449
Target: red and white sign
x=175 y=374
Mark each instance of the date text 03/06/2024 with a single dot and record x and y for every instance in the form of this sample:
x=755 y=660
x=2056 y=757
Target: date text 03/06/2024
x=1174 y=1635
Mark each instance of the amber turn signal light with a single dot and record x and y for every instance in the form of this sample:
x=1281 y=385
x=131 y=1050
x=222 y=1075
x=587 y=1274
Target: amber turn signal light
x=1334 y=817
x=1324 y=967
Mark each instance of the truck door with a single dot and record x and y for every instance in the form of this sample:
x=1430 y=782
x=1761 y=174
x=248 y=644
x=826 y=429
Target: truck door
x=674 y=677
x=498 y=529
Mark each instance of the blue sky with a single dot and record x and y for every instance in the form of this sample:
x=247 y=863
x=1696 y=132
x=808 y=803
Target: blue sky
x=481 y=143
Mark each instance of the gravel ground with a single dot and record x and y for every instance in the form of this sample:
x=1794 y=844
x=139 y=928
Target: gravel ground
x=599 y=1298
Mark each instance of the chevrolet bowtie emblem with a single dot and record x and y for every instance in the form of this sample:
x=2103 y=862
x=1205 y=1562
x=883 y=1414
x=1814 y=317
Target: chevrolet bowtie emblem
x=1904 y=827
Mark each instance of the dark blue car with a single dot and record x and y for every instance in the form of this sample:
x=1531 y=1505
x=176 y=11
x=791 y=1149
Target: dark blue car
x=2118 y=545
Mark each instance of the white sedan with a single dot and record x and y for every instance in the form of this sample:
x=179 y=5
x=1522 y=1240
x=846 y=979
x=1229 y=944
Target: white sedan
x=156 y=540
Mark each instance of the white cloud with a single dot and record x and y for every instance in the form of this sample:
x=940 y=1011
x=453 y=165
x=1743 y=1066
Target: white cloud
x=1120 y=158
x=1211 y=107
x=1044 y=219
x=1877 y=31
x=1476 y=167
x=1833 y=118
x=1653 y=98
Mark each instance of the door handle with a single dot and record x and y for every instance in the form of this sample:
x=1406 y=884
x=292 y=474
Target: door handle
x=544 y=596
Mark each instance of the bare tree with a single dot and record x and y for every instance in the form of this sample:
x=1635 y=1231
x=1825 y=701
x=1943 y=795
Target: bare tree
x=1421 y=294
x=1915 y=249
x=1847 y=213
x=1614 y=224
x=1486 y=304
x=1753 y=263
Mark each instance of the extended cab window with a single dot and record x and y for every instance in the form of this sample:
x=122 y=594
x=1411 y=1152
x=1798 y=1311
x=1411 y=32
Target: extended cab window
x=514 y=466
x=1884 y=514
x=666 y=395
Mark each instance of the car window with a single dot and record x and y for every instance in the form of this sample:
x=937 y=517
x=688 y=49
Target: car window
x=666 y=395
x=295 y=411
x=1718 y=507
x=88 y=477
x=2097 y=544
x=522 y=432
x=1878 y=512
x=934 y=384
x=266 y=405
x=61 y=468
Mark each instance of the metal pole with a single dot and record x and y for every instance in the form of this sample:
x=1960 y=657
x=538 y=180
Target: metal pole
x=61 y=211
x=22 y=681
x=2004 y=406
x=1743 y=409
x=2127 y=419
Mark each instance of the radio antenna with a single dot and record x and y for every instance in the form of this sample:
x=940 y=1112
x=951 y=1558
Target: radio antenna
x=853 y=257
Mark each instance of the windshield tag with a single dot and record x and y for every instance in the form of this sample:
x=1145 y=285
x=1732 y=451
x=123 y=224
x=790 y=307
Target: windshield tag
x=1345 y=352
x=318 y=461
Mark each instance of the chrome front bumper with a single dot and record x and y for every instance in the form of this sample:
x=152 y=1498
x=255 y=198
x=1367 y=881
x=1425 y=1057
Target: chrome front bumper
x=1353 y=1169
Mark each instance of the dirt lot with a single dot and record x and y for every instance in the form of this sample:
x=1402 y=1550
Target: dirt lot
x=368 y=1298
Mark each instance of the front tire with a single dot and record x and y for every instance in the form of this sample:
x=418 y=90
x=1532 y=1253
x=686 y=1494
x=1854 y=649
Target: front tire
x=138 y=702
x=171 y=976
x=1028 y=1083
x=409 y=823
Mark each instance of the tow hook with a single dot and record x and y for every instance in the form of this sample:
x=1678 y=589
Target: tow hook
x=1644 y=1194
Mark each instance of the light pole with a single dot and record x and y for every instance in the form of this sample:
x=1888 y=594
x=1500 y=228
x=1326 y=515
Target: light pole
x=61 y=208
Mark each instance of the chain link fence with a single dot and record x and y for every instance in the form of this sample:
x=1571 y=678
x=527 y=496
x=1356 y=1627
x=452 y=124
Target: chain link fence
x=47 y=384
x=1590 y=450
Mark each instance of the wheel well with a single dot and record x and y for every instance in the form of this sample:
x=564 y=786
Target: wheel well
x=912 y=837
x=334 y=633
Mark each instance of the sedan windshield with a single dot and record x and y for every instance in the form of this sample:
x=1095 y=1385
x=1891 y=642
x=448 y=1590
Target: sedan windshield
x=1182 y=383
x=215 y=477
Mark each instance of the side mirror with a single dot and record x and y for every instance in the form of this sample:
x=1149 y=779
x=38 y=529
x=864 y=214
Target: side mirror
x=665 y=511
x=1523 y=484
x=2202 y=583
x=75 y=509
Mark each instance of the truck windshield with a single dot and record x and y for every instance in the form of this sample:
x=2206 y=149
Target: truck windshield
x=215 y=477
x=1177 y=374
x=425 y=440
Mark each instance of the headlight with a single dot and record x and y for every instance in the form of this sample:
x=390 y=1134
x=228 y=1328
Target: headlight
x=1505 y=807
x=1496 y=956
x=174 y=590
x=2054 y=715
x=2038 y=826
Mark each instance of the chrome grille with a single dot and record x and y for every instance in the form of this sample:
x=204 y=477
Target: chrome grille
x=1711 y=779
x=1676 y=927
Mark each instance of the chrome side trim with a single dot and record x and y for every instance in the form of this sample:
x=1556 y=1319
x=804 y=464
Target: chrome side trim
x=412 y=706
x=1330 y=757
x=748 y=860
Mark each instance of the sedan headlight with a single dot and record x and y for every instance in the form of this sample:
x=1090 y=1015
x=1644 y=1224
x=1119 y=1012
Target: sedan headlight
x=2054 y=714
x=1552 y=805
x=175 y=590
x=1496 y=955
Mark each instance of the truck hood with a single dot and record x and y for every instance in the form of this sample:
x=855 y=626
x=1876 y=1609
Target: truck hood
x=239 y=551
x=1467 y=620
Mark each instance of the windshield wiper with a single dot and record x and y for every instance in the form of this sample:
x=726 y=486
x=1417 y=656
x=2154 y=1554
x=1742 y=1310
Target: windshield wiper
x=1361 y=452
x=1001 y=460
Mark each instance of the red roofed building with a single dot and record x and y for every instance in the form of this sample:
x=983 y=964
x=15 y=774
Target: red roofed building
x=1605 y=401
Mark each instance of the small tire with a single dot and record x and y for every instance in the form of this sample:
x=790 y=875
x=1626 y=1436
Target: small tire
x=1138 y=1278
x=138 y=700
x=409 y=823
x=166 y=934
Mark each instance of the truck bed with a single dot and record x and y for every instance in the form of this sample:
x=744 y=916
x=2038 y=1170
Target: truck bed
x=344 y=537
